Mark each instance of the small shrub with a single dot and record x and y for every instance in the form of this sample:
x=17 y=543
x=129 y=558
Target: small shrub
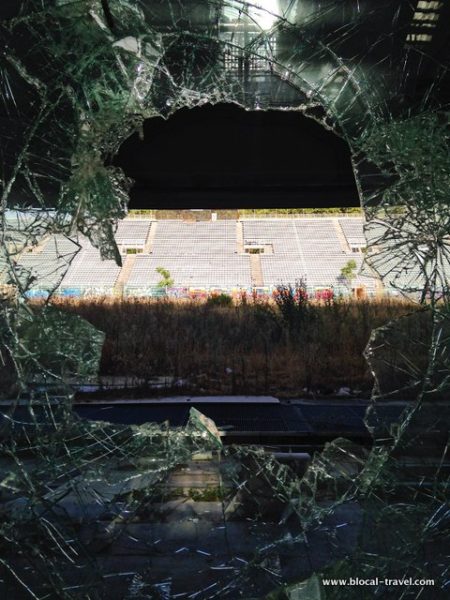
x=220 y=300
x=293 y=304
x=166 y=280
x=348 y=272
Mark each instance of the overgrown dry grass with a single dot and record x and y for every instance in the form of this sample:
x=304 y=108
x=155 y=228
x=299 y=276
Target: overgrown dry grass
x=251 y=347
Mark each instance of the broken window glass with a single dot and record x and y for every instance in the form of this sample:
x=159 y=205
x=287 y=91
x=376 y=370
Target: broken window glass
x=95 y=510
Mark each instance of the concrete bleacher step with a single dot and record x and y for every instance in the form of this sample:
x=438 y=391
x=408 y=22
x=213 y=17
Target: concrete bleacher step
x=148 y=246
x=125 y=273
x=341 y=236
x=256 y=270
x=240 y=237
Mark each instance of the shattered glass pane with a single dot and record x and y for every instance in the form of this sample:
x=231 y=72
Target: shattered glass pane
x=95 y=510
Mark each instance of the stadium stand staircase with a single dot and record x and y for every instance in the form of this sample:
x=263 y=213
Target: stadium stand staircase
x=148 y=247
x=255 y=266
x=124 y=274
x=36 y=249
x=240 y=237
x=341 y=236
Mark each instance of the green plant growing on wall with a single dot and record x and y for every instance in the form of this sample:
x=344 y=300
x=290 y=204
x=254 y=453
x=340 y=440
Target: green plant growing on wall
x=348 y=272
x=166 y=280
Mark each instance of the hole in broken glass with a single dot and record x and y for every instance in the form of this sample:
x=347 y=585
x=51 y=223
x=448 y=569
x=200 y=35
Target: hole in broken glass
x=68 y=488
x=223 y=157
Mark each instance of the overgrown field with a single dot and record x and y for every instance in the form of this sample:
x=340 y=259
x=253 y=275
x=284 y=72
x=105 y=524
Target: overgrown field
x=278 y=347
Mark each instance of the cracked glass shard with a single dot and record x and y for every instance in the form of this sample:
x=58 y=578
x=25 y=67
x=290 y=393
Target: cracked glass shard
x=91 y=509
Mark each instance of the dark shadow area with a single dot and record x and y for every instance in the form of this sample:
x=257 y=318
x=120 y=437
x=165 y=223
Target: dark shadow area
x=225 y=157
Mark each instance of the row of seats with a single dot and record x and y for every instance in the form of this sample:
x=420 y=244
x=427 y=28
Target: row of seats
x=204 y=237
x=88 y=269
x=133 y=231
x=227 y=271
x=293 y=237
